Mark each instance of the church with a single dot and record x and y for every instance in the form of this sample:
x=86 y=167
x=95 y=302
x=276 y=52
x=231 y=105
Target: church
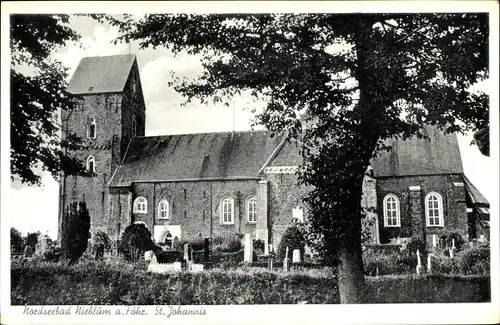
x=223 y=183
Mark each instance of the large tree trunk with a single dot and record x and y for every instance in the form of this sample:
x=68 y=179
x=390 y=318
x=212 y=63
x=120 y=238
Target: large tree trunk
x=351 y=275
x=350 y=267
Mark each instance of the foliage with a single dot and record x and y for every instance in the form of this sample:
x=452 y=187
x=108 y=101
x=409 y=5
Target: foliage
x=293 y=239
x=259 y=245
x=459 y=241
x=100 y=244
x=135 y=240
x=388 y=264
x=53 y=253
x=445 y=265
x=415 y=244
x=396 y=73
x=75 y=231
x=38 y=97
x=227 y=243
x=475 y=260
x=16 y=240
x=99 y=283
x=32 y=239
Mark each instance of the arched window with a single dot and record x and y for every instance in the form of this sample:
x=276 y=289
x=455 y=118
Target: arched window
x=134 y=126
x=140 y=205
x=434 y=210
x=227 y=211
x=168 y=239
x=163 y=209
x=91 y=164
x=391 y=211
x=252 y=209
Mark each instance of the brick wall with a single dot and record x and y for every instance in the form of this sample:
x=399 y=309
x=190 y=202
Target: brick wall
x=194 y=205
x=412 y=206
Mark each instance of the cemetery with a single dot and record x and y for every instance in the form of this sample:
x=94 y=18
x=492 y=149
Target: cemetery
x=201 y=272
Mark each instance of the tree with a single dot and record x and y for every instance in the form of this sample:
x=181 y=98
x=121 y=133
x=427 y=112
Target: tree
x=75 y=231
x=16 y=240
x=362 y=78
x=293 y=239
x=32 y=239
x=38 y=94
x=135 y=240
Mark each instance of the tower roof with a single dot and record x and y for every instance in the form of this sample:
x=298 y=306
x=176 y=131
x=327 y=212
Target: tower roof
x=101 y=74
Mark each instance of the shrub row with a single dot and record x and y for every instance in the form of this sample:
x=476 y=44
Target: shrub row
x=474 y=260
x=90 y=282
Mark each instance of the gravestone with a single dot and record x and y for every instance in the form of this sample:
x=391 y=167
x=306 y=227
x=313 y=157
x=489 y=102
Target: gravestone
x=187 y=257
x=248 y=248
x=148 y=255
x=38 y=249
x=296 y=256
x=429 y=263
x=28 y=251
x=434 y=240
x=207 y=250
x=197 y=267
x=285 y=261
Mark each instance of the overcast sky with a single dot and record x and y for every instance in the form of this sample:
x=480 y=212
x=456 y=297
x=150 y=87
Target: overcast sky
x=165 y=115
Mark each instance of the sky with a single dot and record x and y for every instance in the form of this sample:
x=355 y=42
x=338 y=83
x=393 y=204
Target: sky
x=165 y=115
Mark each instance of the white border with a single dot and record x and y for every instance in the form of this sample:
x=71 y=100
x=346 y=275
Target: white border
x=296 y=314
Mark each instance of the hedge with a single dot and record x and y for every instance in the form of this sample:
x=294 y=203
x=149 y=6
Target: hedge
x=94 y=282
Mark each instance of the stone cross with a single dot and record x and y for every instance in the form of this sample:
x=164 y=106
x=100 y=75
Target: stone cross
x=296 y=256
x=419 y=262
x=248 y=248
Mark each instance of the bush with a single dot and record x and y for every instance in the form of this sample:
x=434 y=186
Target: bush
x=16 y=240
x=228 y=243
x=444 y=265
x=389 y=264
x=293 y=239
x=52 y=254
x=259 y=245
x=459 y=241
x=475 y=260
x=75 y=233
x=413 y=244
x=100 y=244
x=135 y=240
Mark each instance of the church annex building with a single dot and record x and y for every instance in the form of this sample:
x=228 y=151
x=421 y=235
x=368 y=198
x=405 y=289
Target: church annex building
x=210 y=184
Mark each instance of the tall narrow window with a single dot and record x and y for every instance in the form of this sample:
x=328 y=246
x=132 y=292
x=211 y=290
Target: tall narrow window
x=134 y=126
x=140 y=205
x=434 y=210
x=163 y=209
x=91 y=164
x=391 y=211
x=91 y=130
x=252 y=209
x=227 y=211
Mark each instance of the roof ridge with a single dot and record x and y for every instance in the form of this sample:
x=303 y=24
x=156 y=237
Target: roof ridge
x=202 y=133
x=106 y=56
